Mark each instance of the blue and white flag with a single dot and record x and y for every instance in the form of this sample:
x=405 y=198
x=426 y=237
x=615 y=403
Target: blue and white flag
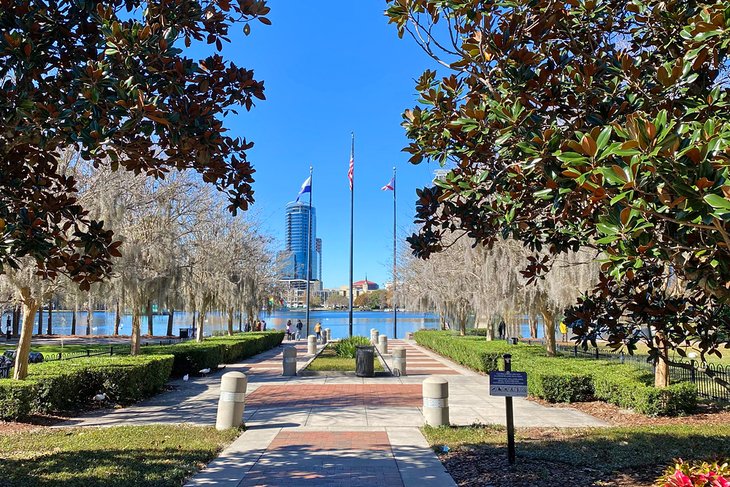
x=306 y=187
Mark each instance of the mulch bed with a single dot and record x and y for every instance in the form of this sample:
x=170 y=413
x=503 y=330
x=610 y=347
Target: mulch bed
x=488 y=467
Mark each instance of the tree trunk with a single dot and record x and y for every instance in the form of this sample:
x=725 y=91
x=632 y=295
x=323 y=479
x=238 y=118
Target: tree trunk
x=40 y=320
x=550 y=347
x=117 y=319
x=240 y=321
x=30 y=307
x=170 y=321
x=73 y=318
x=49 y=328
x=199 y=330
x=135 y=333
x=230 y=322
x=150 y=328
x=89 y=316
x=533 y=326
x=661 y=371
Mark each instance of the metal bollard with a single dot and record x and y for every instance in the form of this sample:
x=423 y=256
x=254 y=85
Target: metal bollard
x=290 y=361
x=311 y=344
x=383 y=344
x=399 y=361
x=232 y=401
x=374 y=337
x=436 y=401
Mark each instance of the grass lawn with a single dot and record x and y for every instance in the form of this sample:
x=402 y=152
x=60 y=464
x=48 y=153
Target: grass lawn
x=329 y=361
x=620 y=456
x=119 y=456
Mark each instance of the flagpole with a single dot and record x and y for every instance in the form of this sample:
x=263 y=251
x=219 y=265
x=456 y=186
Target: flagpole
x=352 y=214
x=395 y=304
x=309 y=245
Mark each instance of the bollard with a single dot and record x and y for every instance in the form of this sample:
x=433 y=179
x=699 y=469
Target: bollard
x=409 y=335
x=328 y=333
x=399 y=361
x=436 y=401
x=374 y=334
x=232 y=401
x=312 y=344
x=324 y=337
x=383 y=344
x=290 y=361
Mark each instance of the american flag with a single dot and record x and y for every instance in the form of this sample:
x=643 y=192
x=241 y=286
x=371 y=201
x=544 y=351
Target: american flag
x=351 y=171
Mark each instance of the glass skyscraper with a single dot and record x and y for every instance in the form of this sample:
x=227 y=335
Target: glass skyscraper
x=297 y=221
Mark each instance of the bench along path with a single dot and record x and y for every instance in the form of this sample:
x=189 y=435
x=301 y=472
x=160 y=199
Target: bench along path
x=348 y=431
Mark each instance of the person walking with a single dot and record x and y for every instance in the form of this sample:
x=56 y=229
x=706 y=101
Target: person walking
x=501 y=329
x=263 y=325
x=288 y=330
x=300 y=325
x=318 y=331
x=564 y=331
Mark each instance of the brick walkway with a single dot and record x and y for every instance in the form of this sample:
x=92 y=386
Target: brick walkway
x=419 y=362
x=335 y=395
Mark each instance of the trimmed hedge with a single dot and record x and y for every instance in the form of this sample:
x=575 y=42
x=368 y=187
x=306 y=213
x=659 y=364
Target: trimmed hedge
x=191 y=357
x=567 y=379
x=67 y=386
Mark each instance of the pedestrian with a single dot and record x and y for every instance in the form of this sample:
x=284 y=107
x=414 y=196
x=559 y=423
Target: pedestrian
x=501 y=329
x=288 y=330
x=8 y=329
x=300 y=325
x=564 y=331
x=263 y=325
x=248 y=326
x=318 y=331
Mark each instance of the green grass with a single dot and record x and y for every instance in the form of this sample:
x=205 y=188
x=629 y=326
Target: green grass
x=329 y=361
x=606 y=449
x=118 y=456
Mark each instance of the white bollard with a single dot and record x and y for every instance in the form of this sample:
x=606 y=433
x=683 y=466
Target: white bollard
x=436 y=401
x=383 y=344
x=323 y=333
x=374 y=337
x=409 y=335
x=399 y=361
x=290 y=361
x=232 y=401
x=328 y=333
x=312 y=344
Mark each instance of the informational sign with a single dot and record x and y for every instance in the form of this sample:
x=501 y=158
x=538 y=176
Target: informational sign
x=508 y=384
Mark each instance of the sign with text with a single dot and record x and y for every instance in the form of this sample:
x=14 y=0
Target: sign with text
x=510 y=384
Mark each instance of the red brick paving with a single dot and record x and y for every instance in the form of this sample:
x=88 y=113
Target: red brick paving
x=336 y=395
x=420 y=363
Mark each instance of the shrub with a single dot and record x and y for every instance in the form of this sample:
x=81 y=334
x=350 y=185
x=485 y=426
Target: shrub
x=66 y=386
x=347 y=347
x=695 y=474
x=564 y=379
x=191 y=357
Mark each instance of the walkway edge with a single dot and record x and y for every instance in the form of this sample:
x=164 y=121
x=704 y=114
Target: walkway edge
x=417 y=463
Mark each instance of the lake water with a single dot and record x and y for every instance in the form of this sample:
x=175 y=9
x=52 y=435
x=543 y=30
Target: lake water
x=337 y=321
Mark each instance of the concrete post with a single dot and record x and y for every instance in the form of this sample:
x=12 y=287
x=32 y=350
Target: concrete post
x=383 y=344
x=436 y=401
x=328 y=332
x=290 y=361
x=311 y=344
x=409 y=335
x=324 y=337
x=399 y=361
x=374 y=334
x=231 y=401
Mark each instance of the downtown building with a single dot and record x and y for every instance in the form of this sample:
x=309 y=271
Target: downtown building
x=293 y=260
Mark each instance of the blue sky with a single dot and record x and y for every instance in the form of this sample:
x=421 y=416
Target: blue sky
x=329 y=69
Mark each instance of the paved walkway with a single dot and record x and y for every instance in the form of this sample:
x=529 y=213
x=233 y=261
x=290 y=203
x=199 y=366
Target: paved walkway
x=333 y=430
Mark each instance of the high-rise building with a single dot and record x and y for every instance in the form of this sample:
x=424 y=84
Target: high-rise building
x=297 y=233
x=318 y=246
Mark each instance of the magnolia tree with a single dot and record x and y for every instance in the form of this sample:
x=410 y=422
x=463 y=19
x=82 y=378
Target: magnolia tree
x=599 y=124
x=110 y=79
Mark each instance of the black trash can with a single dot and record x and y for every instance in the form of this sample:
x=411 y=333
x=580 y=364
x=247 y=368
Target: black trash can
x=514 y=340
x=365 y=361
x=184 y=333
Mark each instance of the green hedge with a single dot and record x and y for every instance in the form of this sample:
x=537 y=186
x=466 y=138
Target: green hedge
x=67 y=386
x=567 y=379
x=191 y=357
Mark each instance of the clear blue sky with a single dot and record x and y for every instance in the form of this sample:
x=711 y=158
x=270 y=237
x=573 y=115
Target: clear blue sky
x=329 y=69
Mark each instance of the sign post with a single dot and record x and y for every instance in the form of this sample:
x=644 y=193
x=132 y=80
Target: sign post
x=508 y=384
